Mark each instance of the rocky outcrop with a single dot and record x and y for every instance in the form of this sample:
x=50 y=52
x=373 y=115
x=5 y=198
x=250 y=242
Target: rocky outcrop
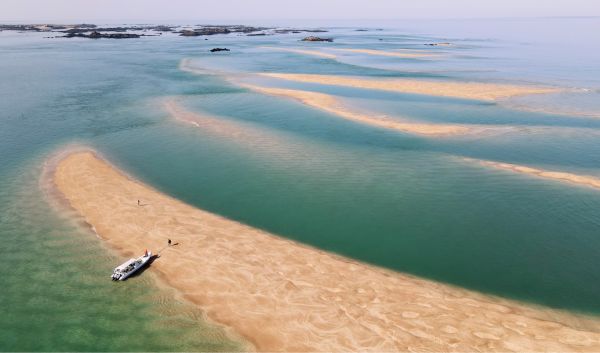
x=98 y=35
x=212 y=30
x=316 y=39
x=213 y=50
x=162 y=29
x=444 y=44
x=295 y=30
x=85 y=30
x=188 y=33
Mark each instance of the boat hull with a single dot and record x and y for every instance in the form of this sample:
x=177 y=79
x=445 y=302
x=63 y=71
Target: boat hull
x=130 y=267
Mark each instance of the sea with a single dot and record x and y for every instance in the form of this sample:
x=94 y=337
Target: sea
x=409 y=203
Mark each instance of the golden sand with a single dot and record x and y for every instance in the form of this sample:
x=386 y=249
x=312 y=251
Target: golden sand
x=303 y=51
x=583 y=180
x=283 y=296
x=334 y=106
x=409 y=54
x=466 y=90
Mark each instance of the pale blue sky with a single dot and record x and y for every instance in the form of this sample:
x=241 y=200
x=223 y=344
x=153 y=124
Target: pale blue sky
x=210 y=10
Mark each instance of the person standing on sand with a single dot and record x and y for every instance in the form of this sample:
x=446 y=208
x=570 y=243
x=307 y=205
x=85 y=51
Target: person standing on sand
x=169 y=242
x=138 y=202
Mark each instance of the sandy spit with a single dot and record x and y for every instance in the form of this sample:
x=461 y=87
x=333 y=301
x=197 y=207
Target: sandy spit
x=409 y=54
x=465 y=90
x=303 y=51
x=582 y=180
x=283 y=296
x=334 y=106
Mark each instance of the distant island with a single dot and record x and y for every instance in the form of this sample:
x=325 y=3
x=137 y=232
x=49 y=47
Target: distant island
x=93 y=31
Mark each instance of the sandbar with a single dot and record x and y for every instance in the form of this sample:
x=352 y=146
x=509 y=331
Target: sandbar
x=577 y=179
x=276 y=145
x=453 y=89
x=184 y=65
x=285 y=296
x=303 y=51
x=335 y=106
x=409 y=54
x=214 y=124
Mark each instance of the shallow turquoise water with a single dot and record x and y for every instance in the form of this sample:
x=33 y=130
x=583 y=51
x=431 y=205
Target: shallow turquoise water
x=395 y=200
x=57 y=294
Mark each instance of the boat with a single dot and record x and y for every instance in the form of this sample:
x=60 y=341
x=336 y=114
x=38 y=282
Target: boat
x=130 y=266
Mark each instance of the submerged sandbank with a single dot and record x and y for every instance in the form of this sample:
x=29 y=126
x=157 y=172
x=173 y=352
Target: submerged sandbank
x=577 y=179
x=214 y=124
x=303 y=51
x=454 y=89
x=334 y=106
x=249 y=136
x=284 y=296
x=244 y=134
x=184 y=65
x=407 y=54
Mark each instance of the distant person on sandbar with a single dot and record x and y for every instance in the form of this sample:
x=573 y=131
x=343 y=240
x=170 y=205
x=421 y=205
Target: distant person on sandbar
x=169 y=242
x=138 y=202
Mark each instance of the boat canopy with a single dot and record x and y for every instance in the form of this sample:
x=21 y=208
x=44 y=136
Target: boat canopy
x=124 y=265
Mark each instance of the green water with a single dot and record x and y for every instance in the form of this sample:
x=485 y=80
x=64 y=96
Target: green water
x=408 y=203
x=57 y=294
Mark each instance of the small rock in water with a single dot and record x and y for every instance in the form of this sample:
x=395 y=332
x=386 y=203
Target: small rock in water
x=218 y=49
x=445 y=44
x=316 y=39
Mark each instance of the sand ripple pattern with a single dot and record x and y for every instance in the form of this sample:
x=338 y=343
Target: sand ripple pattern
x=284 y=296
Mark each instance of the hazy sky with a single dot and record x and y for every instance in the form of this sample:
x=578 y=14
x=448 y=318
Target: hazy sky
x=197 y=10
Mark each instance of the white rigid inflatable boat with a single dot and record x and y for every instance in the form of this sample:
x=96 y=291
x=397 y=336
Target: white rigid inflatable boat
x=130 y=266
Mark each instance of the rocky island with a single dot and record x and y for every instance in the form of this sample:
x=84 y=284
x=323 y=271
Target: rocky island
x=212 y=30
x=44 y=27
x=93 y=31
x=98 y=35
